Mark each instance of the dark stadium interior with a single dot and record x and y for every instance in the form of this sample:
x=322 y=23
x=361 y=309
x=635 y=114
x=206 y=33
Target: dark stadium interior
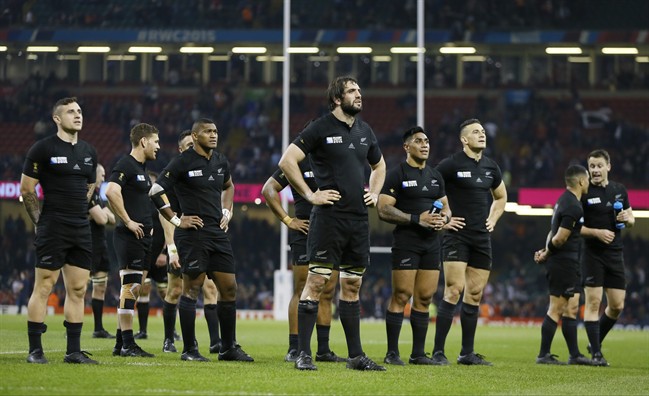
x=541 y=113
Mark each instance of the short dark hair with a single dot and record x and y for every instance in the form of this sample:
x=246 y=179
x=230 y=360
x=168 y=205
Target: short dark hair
x=573 y=173
x=183 y=135
x=600 y=153
x=63 y=102
x=469 y=122
x=140 y=131
x=201 y=121
x=411 y=131
x=337 y=89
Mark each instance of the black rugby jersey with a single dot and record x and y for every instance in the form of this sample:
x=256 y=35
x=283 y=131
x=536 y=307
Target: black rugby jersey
x=64 y=171
x=97 y=230
x=415 y=191
x=468 y=187
x=339 y=155
x=569 y=215
x=132 y=176
x=598 y=211
x=302 y=206
x=198 y=184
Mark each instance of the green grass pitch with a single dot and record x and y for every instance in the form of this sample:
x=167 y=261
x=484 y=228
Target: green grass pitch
x=511 y=349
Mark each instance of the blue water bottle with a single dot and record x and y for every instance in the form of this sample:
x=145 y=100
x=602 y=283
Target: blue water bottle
x=617 y=207
x=437 y=207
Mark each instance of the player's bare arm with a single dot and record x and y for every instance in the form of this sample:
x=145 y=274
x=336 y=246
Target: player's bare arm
x=497 y=206
x=30 y=198
x=289 y=165
x=270 y=191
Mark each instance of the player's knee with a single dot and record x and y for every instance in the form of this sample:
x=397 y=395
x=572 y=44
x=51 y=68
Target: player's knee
x=401 y=296
x=616 y=308
x=423 y=300
x=593 y=304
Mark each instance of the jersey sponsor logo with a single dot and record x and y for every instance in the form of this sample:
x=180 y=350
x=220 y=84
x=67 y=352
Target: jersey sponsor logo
x=351 y=146
x=405 y=260
x=334 y=140
x=581 y=220
x=424 y=188
x=140 y=178
x=136 y=261
x=593 y=201
x=434 y=182
x=220 y=170
x=302 y=257
x=478 y=180
x=308 y=175
x=363 y=141
x=76 y=167
x=463 y=174
x=195 y=173
x=452 y=253
x=409 y=183
x=87 y=161
x=321 y=253
x=58 y=160
x=618 y=196
x=210 y=178
x=488 y=175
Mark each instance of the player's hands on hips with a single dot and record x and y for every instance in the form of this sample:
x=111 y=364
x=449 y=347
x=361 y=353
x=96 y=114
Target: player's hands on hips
x=370 y=198
x=455 y=224
x=193 y=222
x=540 y=255
x=323 y=197
x=299 y=225
x=136 y=228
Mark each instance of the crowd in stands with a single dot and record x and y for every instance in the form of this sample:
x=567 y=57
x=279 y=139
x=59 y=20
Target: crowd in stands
x=459 y=16
x=533 y=137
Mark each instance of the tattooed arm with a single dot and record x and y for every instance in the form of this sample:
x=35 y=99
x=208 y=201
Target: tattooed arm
x=30 y=198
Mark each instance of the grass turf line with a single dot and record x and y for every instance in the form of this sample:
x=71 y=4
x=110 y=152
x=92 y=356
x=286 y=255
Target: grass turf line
x=511 y=349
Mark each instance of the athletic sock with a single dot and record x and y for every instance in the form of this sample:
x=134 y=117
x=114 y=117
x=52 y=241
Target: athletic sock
x=212 y=319
x=419 y=323
x=393 y=323
x=187 y=313
x=73 y=335
x=119 y=342
x=127 y=338
x=469 y=321
x=569 y=330
x=143 y=315
x=34 y=331
x=605 y=325
x=548 y=328
x=97 y=313
x=350 y=318
x=322 y=333
x=443 y=324
x=227 y=313
x=292 y=342
x=307 y=314
x=592 y=330
x=169 y=319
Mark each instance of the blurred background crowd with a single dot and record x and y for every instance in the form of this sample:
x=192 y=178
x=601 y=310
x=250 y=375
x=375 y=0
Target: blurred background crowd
x=536 y=125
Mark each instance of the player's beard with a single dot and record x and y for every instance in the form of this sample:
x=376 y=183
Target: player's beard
x=348 y=108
